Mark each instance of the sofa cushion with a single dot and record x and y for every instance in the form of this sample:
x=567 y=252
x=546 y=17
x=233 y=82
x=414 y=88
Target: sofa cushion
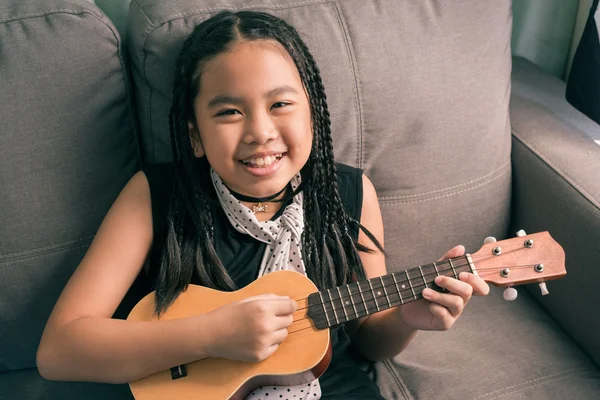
x=66 y=149
x=27 y=384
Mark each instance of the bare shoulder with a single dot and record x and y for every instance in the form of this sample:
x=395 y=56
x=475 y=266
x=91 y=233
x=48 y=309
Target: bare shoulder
x=370 y=214
x=113 y=260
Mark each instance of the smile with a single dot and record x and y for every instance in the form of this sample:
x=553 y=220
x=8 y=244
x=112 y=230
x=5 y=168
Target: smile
x=262 y=162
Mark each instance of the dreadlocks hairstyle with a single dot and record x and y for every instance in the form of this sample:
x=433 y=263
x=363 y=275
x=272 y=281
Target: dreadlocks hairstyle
x=329 y=252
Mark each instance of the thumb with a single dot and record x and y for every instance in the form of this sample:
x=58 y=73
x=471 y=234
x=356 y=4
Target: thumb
x=266 y=296
x=454 y=252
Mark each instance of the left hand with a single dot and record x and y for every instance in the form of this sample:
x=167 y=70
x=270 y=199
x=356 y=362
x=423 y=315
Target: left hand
x=439 y=311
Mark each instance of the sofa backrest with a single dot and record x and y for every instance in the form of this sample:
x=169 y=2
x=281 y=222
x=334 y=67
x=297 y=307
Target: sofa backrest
x=418 y=93
x=66 y=150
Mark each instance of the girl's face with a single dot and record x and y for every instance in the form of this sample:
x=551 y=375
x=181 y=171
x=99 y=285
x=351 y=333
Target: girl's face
x=253 y=118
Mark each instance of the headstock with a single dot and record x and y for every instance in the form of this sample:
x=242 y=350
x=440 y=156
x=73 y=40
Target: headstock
x=521 y=260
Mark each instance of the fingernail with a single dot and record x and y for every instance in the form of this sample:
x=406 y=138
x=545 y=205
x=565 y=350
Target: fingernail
x=438 y=280
x=426 y=293
x=463 y=275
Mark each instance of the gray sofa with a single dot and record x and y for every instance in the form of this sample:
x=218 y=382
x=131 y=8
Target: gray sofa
x=422 y=99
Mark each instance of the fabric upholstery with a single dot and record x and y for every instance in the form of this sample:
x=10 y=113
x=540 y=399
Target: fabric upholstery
x=496 y=350
x=66 y=150
x=557 y=188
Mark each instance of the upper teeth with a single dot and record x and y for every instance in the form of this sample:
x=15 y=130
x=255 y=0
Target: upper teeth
x=268 y=160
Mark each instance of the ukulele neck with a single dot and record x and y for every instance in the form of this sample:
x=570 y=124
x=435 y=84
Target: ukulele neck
x=332 y=307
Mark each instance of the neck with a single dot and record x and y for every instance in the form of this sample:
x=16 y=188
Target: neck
x=251 y=199
x=335 y=306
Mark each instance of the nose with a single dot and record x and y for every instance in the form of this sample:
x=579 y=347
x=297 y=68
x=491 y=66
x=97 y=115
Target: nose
x=259 y=129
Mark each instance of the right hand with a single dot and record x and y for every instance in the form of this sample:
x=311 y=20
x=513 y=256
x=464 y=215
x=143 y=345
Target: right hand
x=251 y=329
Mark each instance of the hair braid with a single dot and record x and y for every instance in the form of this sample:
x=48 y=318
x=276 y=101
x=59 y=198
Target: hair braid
x=329 y=251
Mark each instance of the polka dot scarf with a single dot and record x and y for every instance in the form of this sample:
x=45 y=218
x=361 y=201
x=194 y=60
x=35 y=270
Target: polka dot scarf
x=283 y=252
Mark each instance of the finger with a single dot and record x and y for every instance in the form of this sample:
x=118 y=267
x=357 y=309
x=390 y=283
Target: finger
x=480 y=287
x=453 y=303
x=265 y=296
x=454 y=252
x=282 y=322
x=455 y=286
x=279 y=336
x=282 y=307
x=443 y=320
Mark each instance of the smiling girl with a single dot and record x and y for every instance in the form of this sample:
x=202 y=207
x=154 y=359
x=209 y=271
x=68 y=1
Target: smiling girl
x=253 y=188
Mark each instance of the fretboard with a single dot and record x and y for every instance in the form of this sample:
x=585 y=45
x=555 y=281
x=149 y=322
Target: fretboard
x=332 y=307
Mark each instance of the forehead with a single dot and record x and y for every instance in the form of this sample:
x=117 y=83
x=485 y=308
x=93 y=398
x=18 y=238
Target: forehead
x=249 y=68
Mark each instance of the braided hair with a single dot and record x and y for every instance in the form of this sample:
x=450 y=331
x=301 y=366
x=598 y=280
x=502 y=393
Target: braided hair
x=330 y=253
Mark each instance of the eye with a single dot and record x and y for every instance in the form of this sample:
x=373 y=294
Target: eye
x=228 y=112
x=280 y=104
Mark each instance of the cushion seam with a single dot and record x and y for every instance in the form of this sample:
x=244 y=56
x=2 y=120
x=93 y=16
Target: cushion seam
x=355 y=84
x=479 y=179
x=32 y=253
x=49 y=12
x=399 y=382
x=558 y=171
x=207 y=10
x=527 y=385
x=388 y=202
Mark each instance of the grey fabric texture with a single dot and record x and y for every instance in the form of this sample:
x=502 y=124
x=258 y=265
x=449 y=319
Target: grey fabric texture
x=66 y=150
x=496 y=350
x=557 y=188
x=533 y=83
x=27 y=384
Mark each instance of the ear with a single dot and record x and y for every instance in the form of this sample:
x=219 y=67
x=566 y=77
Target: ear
x=195 y=142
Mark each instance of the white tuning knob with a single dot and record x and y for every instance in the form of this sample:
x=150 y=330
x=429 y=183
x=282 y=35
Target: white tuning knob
x=489 y=239
x=510 y=294
x=521 y=233
x=544 y=289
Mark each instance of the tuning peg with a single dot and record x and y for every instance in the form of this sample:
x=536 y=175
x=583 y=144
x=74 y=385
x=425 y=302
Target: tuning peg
x=521 y=233
x=544 y=289
x=489 y=239
x=510 y=294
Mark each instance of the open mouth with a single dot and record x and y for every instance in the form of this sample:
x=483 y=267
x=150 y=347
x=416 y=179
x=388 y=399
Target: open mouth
x=262 y=162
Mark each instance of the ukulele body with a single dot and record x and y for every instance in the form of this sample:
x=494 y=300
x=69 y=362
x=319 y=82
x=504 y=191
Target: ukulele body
x=302 y=356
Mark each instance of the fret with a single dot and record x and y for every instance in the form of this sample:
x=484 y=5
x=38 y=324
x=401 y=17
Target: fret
x=342 y=302
x=374 y=295
x=362 y=298
x=385 y=292
x=398 y=289
x=410 y=284
x=352 y=301
x=453 y=270
x=324 y=309
x=471 y=265
x=337 y=320
x=436 y=270
x=423 y=276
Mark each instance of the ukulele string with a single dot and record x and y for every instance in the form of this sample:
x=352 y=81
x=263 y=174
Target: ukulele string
x=402 y=299
x=452 y=268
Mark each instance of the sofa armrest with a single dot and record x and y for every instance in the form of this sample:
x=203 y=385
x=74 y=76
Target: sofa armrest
x=556 y=187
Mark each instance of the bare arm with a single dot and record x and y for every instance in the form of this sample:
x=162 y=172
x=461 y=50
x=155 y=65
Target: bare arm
x=381 y=335
x=81 y=341
x=387 y=333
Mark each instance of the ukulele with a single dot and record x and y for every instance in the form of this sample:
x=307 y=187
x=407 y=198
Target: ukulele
x=306 y=352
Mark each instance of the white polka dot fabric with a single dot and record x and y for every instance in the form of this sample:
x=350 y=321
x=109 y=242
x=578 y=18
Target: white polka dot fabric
x=283 y=252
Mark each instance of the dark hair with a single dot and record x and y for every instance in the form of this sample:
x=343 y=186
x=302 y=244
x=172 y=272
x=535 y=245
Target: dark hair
x=329 y=252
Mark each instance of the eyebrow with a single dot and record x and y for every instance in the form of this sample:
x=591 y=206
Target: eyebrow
x=226 y=99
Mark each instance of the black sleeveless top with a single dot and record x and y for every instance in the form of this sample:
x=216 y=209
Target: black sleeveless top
x=241 y=256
